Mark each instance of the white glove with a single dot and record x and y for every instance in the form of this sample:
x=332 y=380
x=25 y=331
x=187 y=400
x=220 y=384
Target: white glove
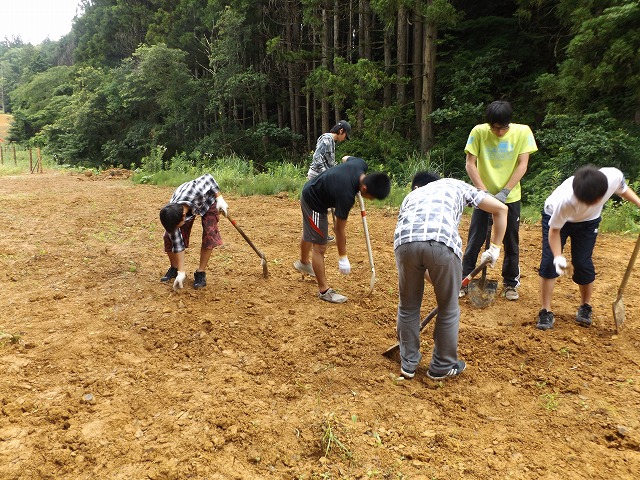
x=502 y=195
x=344 y=266
x=221 y=204
x=491 y=255
x=561 y=264
x=179 y=281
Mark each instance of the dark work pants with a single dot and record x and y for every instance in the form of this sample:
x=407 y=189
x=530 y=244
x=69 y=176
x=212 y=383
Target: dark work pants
x=478 y=237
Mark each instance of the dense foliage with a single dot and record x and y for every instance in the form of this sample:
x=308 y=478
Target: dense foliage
x=202 y=79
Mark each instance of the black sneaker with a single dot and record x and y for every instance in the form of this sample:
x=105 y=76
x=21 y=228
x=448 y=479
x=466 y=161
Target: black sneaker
x=453 y=372
x=583 y=317
x=200 y=280
x=170 y=275
x=545 y=320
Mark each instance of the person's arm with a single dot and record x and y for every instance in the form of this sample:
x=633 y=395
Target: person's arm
x=519 y=171
x=341 y=236
x=179 y=257
x=472 y=170
x=499 y=211
x=341 y=242
x=317 y=161
x=554 y=242
x=631 y=196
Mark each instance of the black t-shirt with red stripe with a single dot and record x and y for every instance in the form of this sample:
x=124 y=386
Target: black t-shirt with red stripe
x=336 y=187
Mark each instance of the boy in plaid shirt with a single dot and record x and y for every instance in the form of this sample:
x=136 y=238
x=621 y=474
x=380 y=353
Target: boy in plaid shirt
x=201 y=197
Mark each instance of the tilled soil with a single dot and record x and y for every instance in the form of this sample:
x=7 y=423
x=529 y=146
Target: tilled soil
x=108 y=373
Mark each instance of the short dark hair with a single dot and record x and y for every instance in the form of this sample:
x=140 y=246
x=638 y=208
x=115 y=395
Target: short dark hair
x=171 y=216
x=589 y=184
x=421 y=179
x=499 y=112
x=378 y=184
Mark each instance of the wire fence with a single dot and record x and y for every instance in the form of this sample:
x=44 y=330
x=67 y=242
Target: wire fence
x=16 y=159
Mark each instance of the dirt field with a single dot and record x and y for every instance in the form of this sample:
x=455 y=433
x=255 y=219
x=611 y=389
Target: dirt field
x=5 y=122
x=107 y=373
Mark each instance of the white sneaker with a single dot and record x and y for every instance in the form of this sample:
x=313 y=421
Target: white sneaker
x=408 y=374
x=332 y=296
x=453 y=372
x=304 y=268
x=510 y=293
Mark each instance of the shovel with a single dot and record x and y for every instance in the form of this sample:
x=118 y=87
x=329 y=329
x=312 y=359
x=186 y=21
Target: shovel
x=482 y=292
x=363 y=213
x=394 y=352
x=618 y=305
x=263 y=259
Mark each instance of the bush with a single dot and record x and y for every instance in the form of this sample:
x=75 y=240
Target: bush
x=568 y=142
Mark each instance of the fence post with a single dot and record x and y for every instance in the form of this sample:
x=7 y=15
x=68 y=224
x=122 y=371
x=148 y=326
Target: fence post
x=15 y=159
x=40 y=160
x=30 y=161
x=1 y=155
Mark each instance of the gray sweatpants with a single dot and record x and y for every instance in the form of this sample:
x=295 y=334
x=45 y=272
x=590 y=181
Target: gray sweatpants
x=445 y=270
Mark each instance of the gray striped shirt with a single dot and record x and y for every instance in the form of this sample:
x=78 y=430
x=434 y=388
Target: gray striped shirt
x=324 y=156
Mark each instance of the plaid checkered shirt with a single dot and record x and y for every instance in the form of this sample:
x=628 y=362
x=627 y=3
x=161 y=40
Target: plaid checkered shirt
x=433 y=212
x=199 y=194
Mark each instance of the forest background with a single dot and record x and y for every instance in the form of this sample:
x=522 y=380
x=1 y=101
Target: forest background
x=160 y=84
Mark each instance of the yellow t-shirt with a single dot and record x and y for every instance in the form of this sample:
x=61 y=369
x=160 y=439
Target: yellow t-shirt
x=498 y=156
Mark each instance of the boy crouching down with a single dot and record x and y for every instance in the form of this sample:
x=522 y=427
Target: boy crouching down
x=201 y=197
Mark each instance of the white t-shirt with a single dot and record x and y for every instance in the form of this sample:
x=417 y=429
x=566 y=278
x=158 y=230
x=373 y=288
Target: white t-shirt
x=563 y=206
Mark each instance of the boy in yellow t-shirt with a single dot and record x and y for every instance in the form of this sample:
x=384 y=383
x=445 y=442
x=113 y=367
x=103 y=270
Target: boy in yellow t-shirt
x=497 y=159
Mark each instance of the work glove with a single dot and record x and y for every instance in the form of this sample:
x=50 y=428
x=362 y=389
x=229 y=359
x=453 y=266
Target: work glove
x=179 y=281
x=343 y=265
x=560 y=262
x=491 y=254
x=221 y=205
x=502 y=195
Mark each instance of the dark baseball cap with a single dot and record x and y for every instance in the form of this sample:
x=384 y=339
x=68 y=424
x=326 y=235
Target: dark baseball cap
x=343 y=124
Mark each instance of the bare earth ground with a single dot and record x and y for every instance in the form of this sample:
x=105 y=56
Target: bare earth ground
x=5 y=121
x=107 y=373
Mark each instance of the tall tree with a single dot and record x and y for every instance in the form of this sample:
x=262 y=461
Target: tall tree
x=602 y=64
x=438 y=13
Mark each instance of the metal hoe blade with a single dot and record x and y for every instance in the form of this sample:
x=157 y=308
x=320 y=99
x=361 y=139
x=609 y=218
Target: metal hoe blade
x=618 y=313
x=618 y=305
x=482 y=294
x=393 y=352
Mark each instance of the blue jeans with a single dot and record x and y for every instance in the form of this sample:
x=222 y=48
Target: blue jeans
x=445 y=270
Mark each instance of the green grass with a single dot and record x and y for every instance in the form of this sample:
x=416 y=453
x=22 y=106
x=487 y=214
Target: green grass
x=9 y=338
x=240 y=176
x=19 y=164
x=330 y=440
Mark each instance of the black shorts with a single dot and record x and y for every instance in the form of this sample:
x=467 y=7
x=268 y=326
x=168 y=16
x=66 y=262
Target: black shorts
x=583 y=240
x=315 y=225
